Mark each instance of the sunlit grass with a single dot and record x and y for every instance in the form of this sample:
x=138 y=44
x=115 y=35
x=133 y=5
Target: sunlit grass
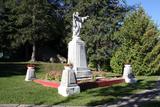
x=13 y=88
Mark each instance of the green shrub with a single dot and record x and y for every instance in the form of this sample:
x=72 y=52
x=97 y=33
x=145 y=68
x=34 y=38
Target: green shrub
x=139 y=65
x=53 y=67
x=118 y=60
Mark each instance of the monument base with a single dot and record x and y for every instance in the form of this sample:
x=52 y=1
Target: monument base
x=83 y=73
x=128 y=80
x=67 y=91
x=77 y=57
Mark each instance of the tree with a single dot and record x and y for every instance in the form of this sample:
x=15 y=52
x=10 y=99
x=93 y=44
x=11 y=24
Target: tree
x=2 y=21
x=33 y=23
x=105 y=18
x=137 y=42
x=5 y=26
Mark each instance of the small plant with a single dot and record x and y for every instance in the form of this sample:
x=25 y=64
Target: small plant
x=53 y=75
x=98 y=74
x=31 y=65
x=128 y=62
x=71 y=65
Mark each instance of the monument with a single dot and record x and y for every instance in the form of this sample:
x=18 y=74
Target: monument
x=128 y=75
x=68 y=85
x=76 y=49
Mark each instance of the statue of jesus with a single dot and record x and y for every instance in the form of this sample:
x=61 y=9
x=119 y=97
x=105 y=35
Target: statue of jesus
x=77 y=23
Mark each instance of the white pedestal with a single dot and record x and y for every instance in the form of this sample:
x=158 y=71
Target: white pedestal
x=77 y=57
x=68 y=91
x=68 y=84
x=128 y=75
x=30 y=75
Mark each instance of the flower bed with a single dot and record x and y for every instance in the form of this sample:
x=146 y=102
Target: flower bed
x=53 y=75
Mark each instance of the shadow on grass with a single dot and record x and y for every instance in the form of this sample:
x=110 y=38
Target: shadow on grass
x=12 y=69
x=7 y=70
x=68 y=99
x=120 y=91
x=109 y=95
x=144 y=99
x=150 y=104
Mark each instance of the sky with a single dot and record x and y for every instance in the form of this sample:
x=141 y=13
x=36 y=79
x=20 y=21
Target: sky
x=152 y=7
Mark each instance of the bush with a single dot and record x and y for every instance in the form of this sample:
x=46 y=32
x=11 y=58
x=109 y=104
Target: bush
x=139 y=65
x=54 y=75
x=52 y=67
x=118 y=60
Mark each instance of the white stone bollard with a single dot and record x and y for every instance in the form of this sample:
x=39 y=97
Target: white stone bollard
x=128 y=75
x=68 y=85
x=30 y=75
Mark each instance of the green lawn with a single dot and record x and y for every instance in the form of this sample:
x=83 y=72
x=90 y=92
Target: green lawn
x=13 y=88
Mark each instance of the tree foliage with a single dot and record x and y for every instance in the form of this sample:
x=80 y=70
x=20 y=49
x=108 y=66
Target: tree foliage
x=32 y=22
x=105 y=17
x=5 y=26
x=111 y=34
x=138 y=40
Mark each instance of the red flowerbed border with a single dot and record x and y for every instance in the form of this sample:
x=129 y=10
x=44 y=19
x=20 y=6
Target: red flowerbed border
x=84 y=85
x=100 y=83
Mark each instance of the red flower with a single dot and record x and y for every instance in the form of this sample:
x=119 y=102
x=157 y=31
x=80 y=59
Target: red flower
x=71 y=65
x=30 y=65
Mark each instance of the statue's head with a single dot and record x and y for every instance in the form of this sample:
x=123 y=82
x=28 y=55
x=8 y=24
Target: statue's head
x=76 y=13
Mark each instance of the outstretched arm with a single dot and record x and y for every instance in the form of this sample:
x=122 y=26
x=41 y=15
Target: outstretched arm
x=84 y=18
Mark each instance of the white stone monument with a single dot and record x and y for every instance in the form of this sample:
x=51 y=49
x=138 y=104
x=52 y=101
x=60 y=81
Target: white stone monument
x=128 y=75
x=30 y=75
x=76 y=49
x=68 y=85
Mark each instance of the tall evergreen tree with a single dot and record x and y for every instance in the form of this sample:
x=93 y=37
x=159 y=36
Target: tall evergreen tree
x=33 y=23
x=138 y=43
x=5 y=26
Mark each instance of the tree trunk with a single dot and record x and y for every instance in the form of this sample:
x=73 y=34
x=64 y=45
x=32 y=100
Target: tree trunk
x=33 y=59
x=98 y=67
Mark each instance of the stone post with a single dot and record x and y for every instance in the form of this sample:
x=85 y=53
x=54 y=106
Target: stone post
x=128 y=75
x=30 y=75
x=68 y=85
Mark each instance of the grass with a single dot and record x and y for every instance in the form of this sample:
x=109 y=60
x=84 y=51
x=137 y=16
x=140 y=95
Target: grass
x=13 y=88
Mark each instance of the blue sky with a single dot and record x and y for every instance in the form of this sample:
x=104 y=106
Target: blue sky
x=152 y=7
